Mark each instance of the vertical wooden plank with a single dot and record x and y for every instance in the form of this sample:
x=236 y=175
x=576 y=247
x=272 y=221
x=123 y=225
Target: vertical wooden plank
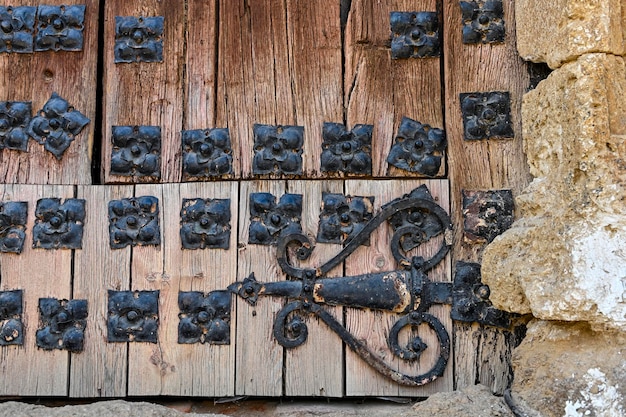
x=380 y=90
x=374 y=326
x=101 y=369
x=34 y=77
x=200 y=65
x=167 y=367
x=39 y=273
x=315 y=69
x=146 y=93
x=145 y=361
x=481 y=165
x=259 y=358
x=316 y=367
x=253 y=73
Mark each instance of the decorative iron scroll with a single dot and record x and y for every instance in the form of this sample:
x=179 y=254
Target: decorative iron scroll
x=415 y=219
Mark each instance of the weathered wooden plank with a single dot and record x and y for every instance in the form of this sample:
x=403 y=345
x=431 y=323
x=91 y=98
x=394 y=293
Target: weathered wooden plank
x=481 y=164
x=200 y=64
x=315 y=69
x=279 y=64
x=380 y=90
x=167 y=367
x=373 y=326
x=145 y=93
x=39 y=273
x=316 y=367
x=34 y=77
x=101 y=369
x=259 y=358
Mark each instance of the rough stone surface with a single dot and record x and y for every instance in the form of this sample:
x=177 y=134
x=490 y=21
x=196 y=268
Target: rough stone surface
x=475 y=400
x=471 y=401
x=558 y=31
x=99 y=409
x=566 y=369
x=565 y=258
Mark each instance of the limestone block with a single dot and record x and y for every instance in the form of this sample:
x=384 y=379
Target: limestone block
x=559 y=269
x=574 y=126
x=565 y=259
x=569 y=370
x=475 y=400
x=558 y=31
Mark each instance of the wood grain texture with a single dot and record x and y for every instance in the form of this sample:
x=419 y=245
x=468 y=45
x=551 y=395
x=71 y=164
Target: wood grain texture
x=101 y=369
x=373 y=326
x=259 y=358
x=200 y=64
x=315 y=369
x=146 y=93
x=170 y=368
x=380 y=90
x=279 y=64
x=39 y=273
x=34 y=77
x=481 y=165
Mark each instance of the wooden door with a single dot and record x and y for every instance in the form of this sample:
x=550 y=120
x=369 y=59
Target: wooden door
x=170 y=150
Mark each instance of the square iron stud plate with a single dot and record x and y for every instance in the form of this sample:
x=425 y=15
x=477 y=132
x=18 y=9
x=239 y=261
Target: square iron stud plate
x=205 y=223
x=11 y=326
x=270 y=221
x=136 y=151
x=60 y=28
x=204 y=318
x=414 y=35
x=207 y=153
x=486 y=115
x=17 y=26
x=138 y=39
x=15 y=117
x=343 y=217
x=12 y=226
x=133 y=316
x=486 y=214
x=134 y=222
x=63 y=324
x=418 y=148
x=59 y=226
x=483 y=21
x=347 y=151
x=277 y=150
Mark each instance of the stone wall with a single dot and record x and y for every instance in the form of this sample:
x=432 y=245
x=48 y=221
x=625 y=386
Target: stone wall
x=564 y=260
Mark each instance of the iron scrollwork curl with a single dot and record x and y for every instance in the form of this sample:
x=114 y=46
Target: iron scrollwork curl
x=415 y=219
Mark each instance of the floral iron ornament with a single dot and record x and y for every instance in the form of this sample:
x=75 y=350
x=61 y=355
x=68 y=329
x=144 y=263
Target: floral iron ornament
x=11 y=325
x=138 y=39
x=59 y=226
x=418 y=148
x=205 y=223
x=57 y=125
x=277 y=149
x=12 y=226
x=347 y=151
x=17 y=25
x=486 y=115
x=207 y=153
x=63 y=324
x=14 y=120
x=60 y=28
x=414 y=35
x=343 y=217
x=483 y=21
x=416 y=218
x=136 y=151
